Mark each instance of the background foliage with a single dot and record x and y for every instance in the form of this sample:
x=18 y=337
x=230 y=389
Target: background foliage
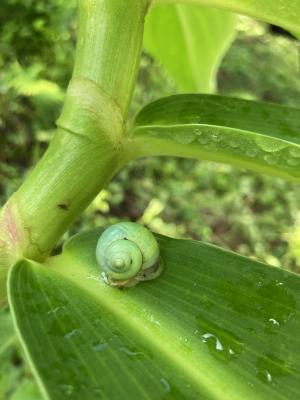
x=253 y=215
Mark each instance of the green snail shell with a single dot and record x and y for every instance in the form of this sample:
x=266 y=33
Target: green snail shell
x=128 y=253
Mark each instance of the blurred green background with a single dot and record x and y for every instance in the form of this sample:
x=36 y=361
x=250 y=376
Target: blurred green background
x=253 y=215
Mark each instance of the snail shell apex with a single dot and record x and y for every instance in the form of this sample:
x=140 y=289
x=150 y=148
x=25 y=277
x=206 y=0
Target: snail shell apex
x=127 y=254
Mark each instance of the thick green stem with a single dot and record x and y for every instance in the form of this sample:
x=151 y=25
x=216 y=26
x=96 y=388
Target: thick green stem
x=87 y=149
x=109 y=45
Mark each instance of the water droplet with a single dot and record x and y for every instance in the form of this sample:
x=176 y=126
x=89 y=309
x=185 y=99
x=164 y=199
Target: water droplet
x=221 y=343
x=132 y=353
x=270 y=159
x=54 y=310
x=251 y=152
x=184 y=138
x=165 y=385
x=197 y=132
x=274 y=322
x=67 y=389
x=203 y=140
x=270 y=369
x=153 y=320
x=100 y=346
x=295 y=152
x=293 y=162
x=282 y=309
x=71 y=334
x=269 y=376
x=215 y=137
x=234 y=144
x=279 y=284
x=208 y=335
x=270 y=145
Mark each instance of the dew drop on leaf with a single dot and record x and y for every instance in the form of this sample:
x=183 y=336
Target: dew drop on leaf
x=271 y=369
x=293 y=162
x=251 y=152
x=218 y=344
x=184 y=138
x=274 y=322
x=100 y=346
x=270 y=159
x=166 y=385
x=295 y=152
x=70 y=334
x=215 y=137
x=270 y=145
x=132 y=353
x=197 y=132
x=221 y=343
x=203 y=140
x=67 y=389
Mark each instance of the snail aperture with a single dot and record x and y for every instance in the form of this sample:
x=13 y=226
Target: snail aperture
x=127 y=254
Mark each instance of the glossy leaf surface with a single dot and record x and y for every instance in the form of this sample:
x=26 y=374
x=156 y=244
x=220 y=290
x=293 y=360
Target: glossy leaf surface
x=260 y=136
x=215 y=325
x=285 y=13
x=189 y=41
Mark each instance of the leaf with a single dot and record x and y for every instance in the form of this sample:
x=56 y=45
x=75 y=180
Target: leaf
x=190 y=42
x=263 y=137
x=7 y=333
x=26 y=390
x=280 y=12
x=215 y=325
x=15 y=381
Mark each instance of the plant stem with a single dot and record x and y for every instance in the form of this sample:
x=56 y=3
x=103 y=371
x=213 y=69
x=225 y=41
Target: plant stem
x=87 y=149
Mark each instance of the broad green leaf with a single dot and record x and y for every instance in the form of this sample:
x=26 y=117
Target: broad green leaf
x=263 y=137
x=7 y=332
x=285 y=13
x=215 y=325
x=190 y=42
x=15 y=381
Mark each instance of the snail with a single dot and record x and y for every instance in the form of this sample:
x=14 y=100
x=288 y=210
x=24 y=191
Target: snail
x=127 y=254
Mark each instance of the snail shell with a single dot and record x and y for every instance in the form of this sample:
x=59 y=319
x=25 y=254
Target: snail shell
x=127 y=254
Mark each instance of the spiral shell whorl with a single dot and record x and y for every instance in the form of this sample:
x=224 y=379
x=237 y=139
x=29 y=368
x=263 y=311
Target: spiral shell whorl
x=125 y=250
x=122 y=259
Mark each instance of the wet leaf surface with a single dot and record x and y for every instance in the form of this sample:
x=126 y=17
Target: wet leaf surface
x=214 y=325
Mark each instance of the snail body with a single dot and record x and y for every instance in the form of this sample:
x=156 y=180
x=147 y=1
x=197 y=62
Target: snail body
x=127 y=254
